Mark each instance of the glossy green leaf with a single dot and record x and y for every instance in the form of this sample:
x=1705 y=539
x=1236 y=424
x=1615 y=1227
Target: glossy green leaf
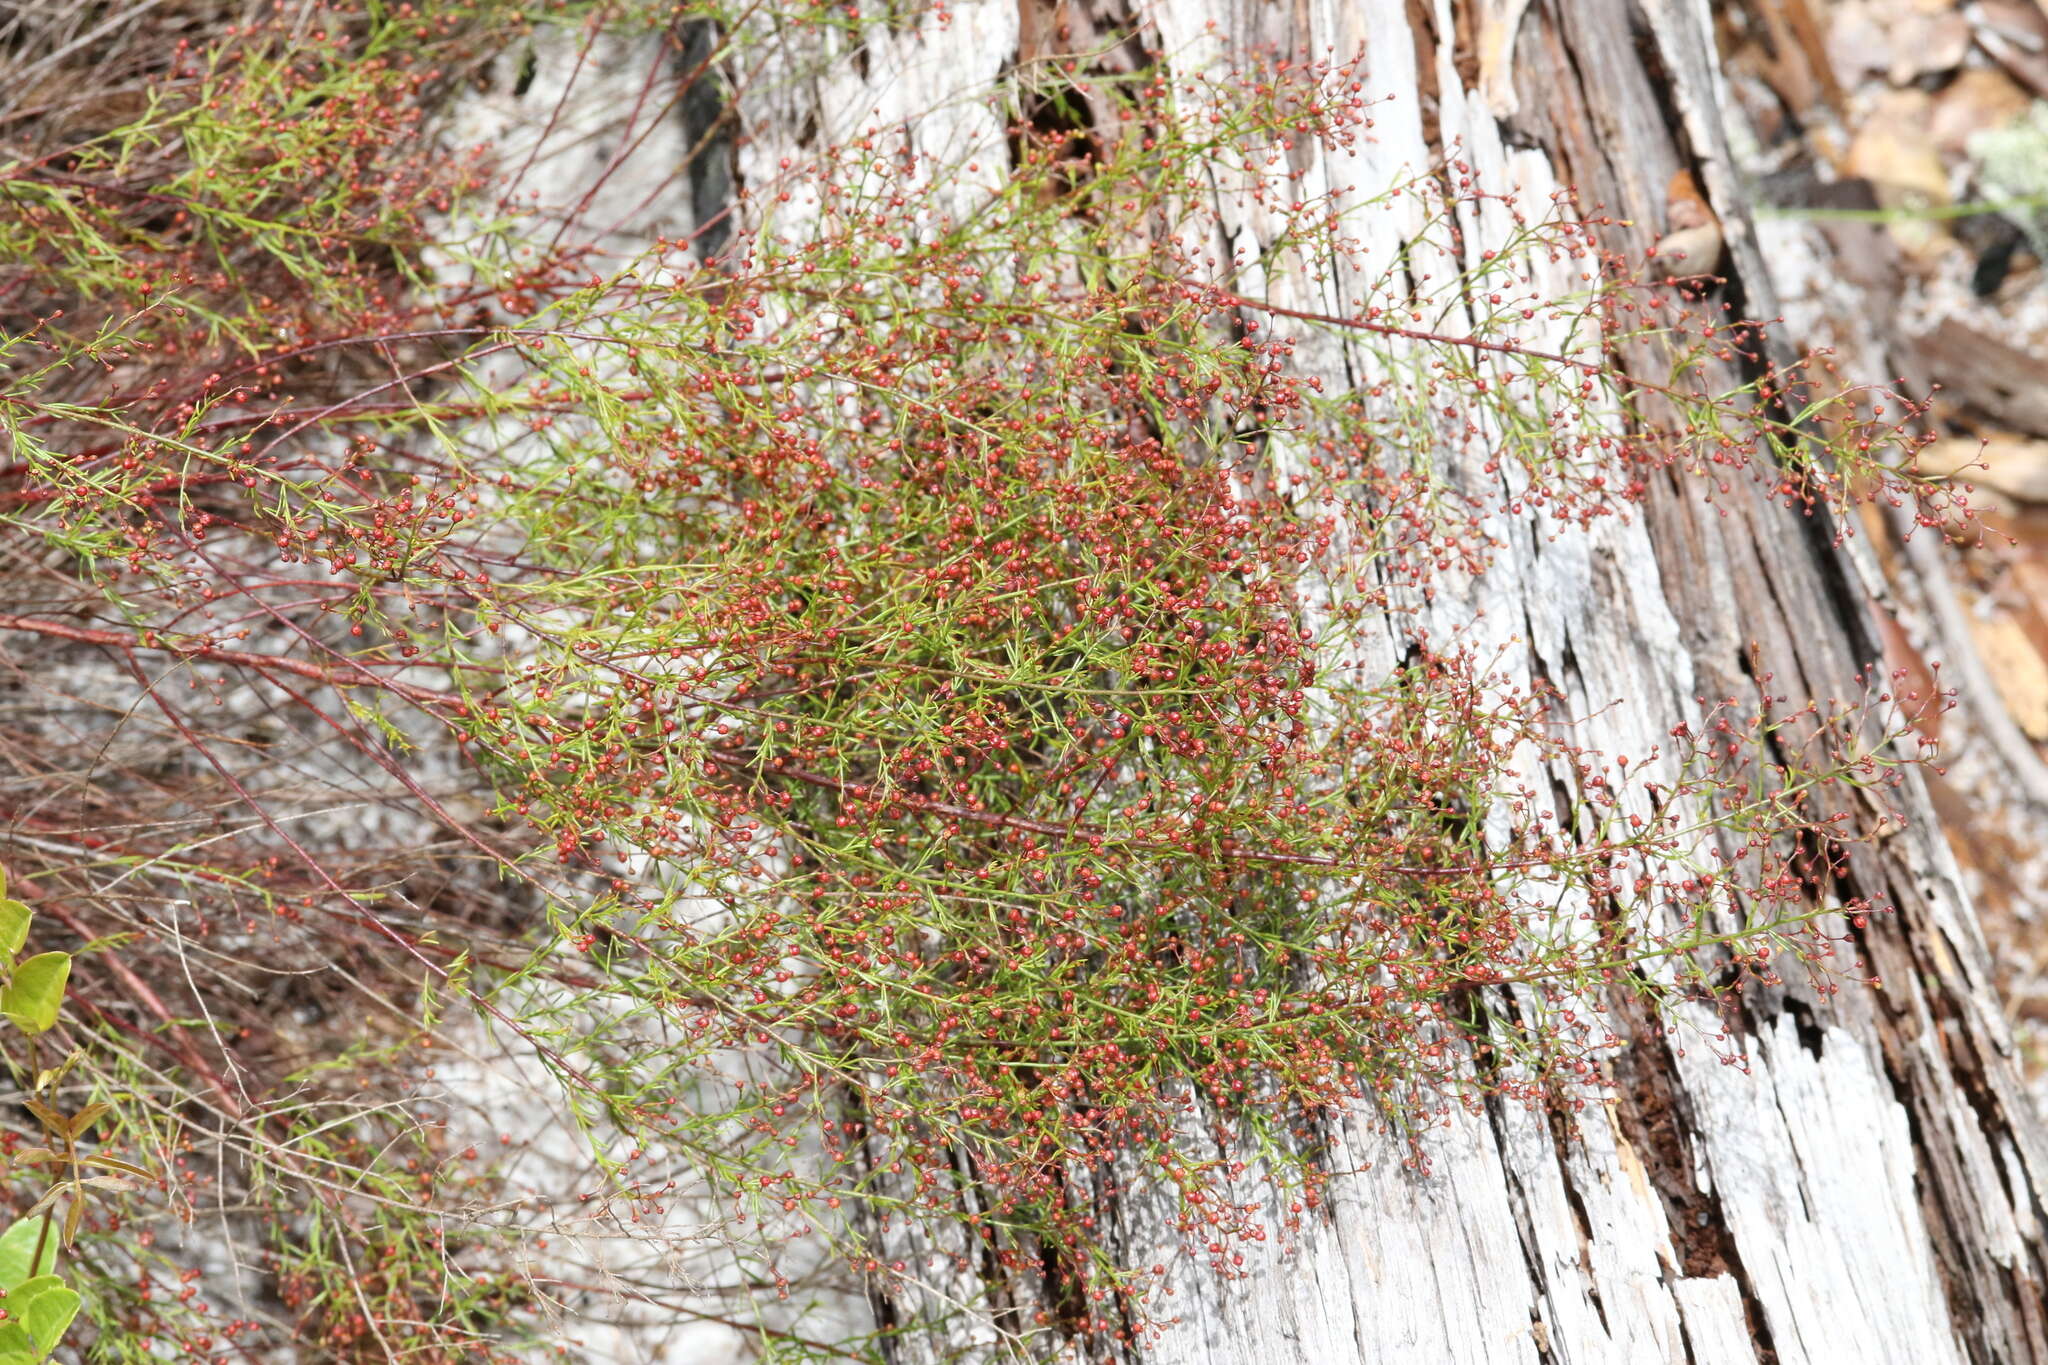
x=23 y=1296
x=47 y=1312
x=17 y=1245
x=14 y=922
x=32 y=998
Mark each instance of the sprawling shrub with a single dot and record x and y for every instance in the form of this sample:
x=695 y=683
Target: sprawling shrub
x=900 y=709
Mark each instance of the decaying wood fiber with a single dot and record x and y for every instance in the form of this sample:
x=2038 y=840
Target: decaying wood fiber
x=1869 y=1190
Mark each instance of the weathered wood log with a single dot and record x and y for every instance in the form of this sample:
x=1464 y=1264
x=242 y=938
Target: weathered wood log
x=1868 y=1186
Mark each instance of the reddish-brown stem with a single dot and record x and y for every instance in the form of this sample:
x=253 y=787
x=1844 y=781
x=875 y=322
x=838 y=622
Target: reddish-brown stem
x=349 y=675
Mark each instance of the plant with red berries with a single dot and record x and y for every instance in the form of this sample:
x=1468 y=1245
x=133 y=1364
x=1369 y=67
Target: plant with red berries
x=940 y=713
